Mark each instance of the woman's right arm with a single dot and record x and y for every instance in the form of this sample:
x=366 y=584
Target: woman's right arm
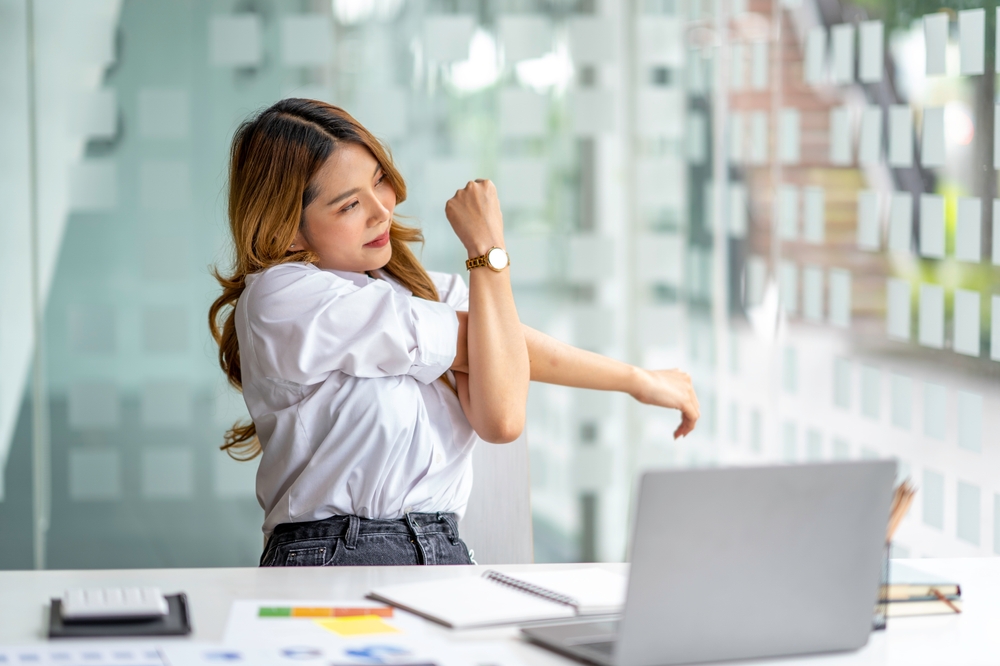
x=498 y=368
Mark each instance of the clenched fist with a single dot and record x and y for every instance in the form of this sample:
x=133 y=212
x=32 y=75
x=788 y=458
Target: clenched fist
x=474 y=214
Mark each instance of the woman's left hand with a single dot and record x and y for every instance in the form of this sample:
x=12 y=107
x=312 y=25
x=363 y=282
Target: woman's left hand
x=671 y=389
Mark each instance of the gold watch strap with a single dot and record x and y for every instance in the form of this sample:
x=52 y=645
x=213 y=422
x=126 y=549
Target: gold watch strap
x=475 y=262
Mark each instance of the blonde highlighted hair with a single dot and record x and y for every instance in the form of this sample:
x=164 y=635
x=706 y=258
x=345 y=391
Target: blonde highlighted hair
x=273 y=159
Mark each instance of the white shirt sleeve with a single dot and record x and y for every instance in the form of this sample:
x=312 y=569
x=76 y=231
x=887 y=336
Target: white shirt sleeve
x=451 y=289
x=306 y=323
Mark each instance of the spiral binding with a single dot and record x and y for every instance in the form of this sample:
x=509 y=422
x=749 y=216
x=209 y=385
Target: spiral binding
x=541 y=592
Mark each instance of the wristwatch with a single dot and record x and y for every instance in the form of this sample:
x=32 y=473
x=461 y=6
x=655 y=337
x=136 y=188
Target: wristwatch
x=496 y=258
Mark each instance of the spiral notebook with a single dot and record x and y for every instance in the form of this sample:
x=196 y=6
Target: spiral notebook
x=496 y=598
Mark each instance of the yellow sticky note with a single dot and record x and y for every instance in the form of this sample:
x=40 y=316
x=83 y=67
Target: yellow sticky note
x=357 y=625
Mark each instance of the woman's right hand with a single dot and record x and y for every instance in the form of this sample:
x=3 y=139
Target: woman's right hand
x=474 y=214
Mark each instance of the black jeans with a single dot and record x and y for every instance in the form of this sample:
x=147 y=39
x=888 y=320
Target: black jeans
x=417 y=538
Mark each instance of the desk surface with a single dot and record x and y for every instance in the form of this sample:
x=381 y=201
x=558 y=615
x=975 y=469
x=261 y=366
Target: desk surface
x=970 y=638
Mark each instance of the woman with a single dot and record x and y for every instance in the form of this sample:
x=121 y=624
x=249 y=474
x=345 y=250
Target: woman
x=368 y=379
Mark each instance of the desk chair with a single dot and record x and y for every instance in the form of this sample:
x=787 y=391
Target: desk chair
x=497 y=522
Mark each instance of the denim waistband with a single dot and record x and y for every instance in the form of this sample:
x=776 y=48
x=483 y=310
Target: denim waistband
x=349 y=527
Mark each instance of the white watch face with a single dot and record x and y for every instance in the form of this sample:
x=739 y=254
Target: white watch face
x=497 y=259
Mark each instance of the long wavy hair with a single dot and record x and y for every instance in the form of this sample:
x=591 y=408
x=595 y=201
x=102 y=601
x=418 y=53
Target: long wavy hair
x=273 y=159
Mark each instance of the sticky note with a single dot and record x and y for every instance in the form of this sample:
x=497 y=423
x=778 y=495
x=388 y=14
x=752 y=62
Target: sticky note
x=164 y=113
x=164 y=185
x=235 y=40
x=812 y=293
x=932 y=137
x=790 y=370
x=932 y=226
x=898 y=309
x=841 y=382
x=902 y=401
x=592 y=112
x=900 y=136
x=93 y=185
x=758 y=65
x=660 y=40
x=306 y=40
x=443 y=177
x=935 y=410
x=840 y=297
x=966 y=338
x=968 y=509
x=735 y=137
x=166 y=404
x=935 y=43
x=840 y=136
x=94 y=475
x=933 y=492
x=524 y=36
x=813 y=206
x=788 y=277
x=697 y=142
x=737 y=62
x=592 y=326
x=523 y=182
x=93 y=405
x=230 y=478
x=591 y=40
x=756 y=279
x=758 y=137
x=383 y=110
x=900 y=222
x=870 y=137
x=968 y=230
x=359 y=625
x=658 y=326
x=871 y=38
x=659 y=111
x=995 y=328
x=447 y=37
x=788 y=150
x=841 y=449
x=871 y=391
x=970 y=421
x=815 y=56
x=788 y=212
x=737 y=210
x=523 y=113
x=931 y=316
x=167 y=473
x=868 y=223
x=842 y=36
x=971 y=40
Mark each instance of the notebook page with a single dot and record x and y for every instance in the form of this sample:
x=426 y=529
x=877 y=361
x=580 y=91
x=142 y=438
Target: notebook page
x=596 y=590
x=470 y=602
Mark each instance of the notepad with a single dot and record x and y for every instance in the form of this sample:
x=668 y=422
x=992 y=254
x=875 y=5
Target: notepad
x=497 y=599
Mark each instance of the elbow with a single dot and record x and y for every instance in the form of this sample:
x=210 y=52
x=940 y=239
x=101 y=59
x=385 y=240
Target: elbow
x=502 y=430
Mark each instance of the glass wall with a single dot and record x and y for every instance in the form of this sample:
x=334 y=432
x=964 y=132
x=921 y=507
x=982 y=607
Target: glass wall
x=793 y=200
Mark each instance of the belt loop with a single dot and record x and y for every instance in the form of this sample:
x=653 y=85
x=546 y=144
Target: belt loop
x=411 y=524
x=353 y=526
x=449 y=519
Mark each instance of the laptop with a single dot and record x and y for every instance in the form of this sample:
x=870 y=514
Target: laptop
x=741 y=563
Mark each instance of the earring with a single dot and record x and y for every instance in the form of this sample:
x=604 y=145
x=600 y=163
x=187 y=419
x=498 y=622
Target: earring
x=293 y=245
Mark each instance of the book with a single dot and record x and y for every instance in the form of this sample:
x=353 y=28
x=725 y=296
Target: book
x=497 y=599
x=907 y=583
x=924 y=606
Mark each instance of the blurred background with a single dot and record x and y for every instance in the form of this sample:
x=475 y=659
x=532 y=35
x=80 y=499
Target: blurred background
x=793 y=200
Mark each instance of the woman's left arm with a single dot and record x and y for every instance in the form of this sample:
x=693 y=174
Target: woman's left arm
x=555 y=362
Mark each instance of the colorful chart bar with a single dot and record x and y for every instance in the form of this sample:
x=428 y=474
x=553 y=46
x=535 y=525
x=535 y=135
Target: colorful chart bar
x=324 y=611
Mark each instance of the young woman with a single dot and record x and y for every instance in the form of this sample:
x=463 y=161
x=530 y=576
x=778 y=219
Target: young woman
x=369 y=380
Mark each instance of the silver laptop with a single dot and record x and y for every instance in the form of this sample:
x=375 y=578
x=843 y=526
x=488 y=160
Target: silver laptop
x=740 y=563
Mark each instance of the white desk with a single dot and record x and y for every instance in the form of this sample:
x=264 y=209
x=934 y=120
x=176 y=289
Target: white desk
x=971 y=638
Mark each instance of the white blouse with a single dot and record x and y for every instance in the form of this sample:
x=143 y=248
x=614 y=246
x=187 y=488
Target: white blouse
x=340 y=377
